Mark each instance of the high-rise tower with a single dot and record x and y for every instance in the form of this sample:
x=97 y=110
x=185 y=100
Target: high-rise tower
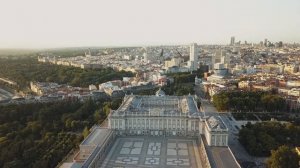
x=193 y=62
x=232 y=40
x=266 y=42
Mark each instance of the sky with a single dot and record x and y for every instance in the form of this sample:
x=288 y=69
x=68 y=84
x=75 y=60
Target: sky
x=75 y=23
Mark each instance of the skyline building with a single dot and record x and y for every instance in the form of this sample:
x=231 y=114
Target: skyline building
x=193 y=62
x=232 y=40
x=266 y=43
x=280 y=44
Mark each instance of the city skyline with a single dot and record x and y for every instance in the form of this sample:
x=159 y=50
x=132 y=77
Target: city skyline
x=52 y=24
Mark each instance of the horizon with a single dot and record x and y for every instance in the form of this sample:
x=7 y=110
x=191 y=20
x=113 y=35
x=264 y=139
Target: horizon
x=121 y=46
x=57 y=24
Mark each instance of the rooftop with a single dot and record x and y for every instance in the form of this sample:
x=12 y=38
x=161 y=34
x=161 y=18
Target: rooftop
x=215 y=123
x=96 y=137
x=134 y=105
x=221 y=157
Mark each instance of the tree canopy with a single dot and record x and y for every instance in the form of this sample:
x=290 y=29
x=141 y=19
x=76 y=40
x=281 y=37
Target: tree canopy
x=249 y=101
x=260 y=138
x=24 y=70
x=40 y=135
x=283 y=157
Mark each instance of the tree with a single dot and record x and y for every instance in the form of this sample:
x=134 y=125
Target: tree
x=283 y=157
x=41 y=134
x=97 y=116
x=106 y=108
x=221 y=101
x=24 y=70
x=115 y=104
x=260 y=138
x=85 y=132
x=249 y=101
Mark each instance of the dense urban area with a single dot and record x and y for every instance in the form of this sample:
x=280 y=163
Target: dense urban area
x=55 y=104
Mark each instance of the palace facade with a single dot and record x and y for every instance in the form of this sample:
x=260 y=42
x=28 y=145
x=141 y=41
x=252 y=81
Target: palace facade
x=154 y=115
x=161 y=115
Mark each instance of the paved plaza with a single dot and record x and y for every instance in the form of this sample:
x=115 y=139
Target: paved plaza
x=154 y=152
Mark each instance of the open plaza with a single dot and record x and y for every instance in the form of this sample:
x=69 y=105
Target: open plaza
x=144 y=151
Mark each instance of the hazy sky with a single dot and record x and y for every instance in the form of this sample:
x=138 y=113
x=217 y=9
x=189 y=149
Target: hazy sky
x=65 y=23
